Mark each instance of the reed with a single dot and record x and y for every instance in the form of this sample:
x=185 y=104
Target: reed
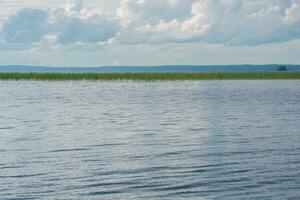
x=150 y=76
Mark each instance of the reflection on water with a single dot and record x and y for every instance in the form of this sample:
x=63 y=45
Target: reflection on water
x=150 y=140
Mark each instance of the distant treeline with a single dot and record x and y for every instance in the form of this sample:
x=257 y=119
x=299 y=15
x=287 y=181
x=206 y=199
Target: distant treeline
x=155 y=69
x=149 y=76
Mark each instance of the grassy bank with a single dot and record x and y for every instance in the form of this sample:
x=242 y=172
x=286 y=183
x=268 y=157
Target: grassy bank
x=149 y=76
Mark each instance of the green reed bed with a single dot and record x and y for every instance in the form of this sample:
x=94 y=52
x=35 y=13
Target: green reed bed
x=149 y=76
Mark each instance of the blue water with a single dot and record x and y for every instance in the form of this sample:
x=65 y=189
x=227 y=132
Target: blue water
x=150 y=140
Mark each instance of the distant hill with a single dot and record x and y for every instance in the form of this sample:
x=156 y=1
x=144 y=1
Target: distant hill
x=165 y=68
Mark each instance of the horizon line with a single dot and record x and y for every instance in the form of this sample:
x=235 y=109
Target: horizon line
x=171 y=65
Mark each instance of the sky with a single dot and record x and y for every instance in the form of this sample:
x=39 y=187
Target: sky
x=149 y=32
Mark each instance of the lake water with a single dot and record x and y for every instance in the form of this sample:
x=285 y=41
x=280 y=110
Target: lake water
x=150 y=140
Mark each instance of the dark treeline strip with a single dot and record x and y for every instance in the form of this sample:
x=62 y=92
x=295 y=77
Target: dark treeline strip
x=149 y=76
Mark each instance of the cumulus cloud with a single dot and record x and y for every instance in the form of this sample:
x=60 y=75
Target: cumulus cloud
x=28 y=25
x=76 y=24
x=292 y=14
x=137 y=11
x=69 y=25
x=235 y=22
x=231 y=22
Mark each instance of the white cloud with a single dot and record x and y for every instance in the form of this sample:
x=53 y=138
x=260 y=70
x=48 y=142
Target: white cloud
x=230 y=22
x=292 y=14
x=138 y=11
x=234 y=22
x=69 y=25
x=27 y=26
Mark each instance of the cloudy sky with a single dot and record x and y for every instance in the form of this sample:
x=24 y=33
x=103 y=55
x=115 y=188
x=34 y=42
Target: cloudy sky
x=149 y=32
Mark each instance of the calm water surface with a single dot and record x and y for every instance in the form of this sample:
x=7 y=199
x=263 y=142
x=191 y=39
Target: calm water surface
x=150 y=140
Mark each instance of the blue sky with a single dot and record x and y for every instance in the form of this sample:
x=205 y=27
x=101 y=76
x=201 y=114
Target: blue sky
x=149 y=32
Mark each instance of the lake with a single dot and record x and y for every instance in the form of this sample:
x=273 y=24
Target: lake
x=150 y=140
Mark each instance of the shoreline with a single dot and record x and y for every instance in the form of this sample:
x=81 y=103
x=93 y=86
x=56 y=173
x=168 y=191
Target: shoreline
x=151 y=76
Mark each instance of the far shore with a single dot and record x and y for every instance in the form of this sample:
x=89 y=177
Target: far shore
x=152 y=76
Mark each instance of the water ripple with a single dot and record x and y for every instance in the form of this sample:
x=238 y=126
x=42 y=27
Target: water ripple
x=150 y=140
